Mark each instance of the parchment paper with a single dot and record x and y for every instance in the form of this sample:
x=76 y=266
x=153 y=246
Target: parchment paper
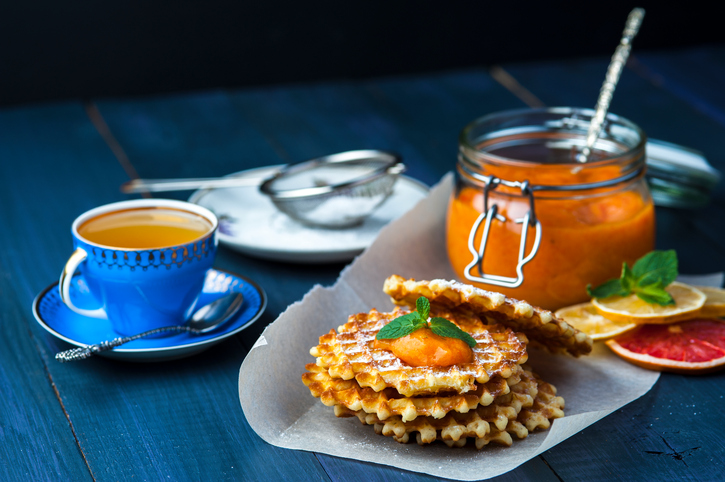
x=414 y=247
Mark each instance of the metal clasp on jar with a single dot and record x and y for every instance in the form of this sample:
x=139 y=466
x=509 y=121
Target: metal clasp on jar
x=490 y=214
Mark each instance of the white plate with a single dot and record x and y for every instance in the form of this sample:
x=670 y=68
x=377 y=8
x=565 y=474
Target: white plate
x=251 y=224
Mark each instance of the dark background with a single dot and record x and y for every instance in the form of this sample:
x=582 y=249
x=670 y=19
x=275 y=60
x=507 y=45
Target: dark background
x=51 y=50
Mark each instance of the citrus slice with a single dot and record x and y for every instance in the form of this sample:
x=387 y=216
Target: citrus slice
x=584 y=317
x=692 y=346
x=631 y=309
x=714 y=306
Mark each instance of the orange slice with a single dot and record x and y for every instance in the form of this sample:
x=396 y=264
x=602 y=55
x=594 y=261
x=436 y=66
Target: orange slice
x=631 y=309
x=714 y=306
x=584 y=317
x=692 y=346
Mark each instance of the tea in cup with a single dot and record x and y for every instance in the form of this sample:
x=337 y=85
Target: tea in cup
x=144 y=261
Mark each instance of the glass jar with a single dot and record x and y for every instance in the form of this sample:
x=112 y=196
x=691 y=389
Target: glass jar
x=528 y=220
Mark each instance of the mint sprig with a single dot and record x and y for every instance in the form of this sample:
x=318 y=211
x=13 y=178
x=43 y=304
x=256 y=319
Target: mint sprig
x=648 y=278
x=407 y=324
x=401 y=326
x=443 y=327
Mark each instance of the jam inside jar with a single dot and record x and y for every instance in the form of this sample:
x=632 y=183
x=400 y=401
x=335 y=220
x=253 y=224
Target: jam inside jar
x=584 y=219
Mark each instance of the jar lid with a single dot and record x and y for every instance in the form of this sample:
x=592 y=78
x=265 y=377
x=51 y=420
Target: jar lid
x=679 y=176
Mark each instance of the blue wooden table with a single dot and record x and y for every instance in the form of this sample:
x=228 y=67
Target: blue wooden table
x=109 y=420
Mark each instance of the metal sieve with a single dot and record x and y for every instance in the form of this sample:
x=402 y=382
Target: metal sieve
x=335 y=191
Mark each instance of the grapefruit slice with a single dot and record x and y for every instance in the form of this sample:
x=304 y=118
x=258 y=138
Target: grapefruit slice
x=714 y=306
x=692 y=346
x=631 y=309
x=584 y=317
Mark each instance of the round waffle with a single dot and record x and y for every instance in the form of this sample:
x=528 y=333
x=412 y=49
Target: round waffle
x=388 y=402
x=350 y=354
x=539 y=325
x=522 y=410
x=546 y=407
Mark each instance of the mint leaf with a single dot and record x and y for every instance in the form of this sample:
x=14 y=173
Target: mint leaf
x=647 y=279
x=443 y=327
x=656 y=266
x=401 y=326
x=627 y=279
x=613 y=287
x=423 y=306
x=654 y=294
x=407 y=324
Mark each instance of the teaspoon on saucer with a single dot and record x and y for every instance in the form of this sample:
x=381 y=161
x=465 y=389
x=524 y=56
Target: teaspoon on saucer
x=204 y=320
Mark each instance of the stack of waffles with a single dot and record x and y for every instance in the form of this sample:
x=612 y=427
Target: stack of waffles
x=495 y=396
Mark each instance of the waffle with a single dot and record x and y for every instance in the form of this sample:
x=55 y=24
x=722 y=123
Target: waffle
x=388 y=402
x=546 y=407
x=539 y=325
x=493 y=399
x=350 y=354
x=522 y=410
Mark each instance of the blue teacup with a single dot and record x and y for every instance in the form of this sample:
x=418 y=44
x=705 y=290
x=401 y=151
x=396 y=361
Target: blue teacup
x=144 y=261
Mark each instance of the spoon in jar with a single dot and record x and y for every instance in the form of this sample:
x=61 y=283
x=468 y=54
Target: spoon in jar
x=614 y=71
x=204 y=320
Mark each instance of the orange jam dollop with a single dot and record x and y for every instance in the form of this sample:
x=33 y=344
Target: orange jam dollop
x=423 y=348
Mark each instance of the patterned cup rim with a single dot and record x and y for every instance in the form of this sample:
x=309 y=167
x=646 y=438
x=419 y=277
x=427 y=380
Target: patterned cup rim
x=145 y=203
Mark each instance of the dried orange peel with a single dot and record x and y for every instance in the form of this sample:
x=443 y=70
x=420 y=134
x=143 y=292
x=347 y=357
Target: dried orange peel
x=584 y=317
x=688 y=347
x=714 y=306
x=631 y=309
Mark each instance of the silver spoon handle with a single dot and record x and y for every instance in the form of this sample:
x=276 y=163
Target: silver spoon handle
x=619 y=59
x=161 y=185
x=81 y=353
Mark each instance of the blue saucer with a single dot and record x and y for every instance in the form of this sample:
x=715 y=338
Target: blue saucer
x=55 y=317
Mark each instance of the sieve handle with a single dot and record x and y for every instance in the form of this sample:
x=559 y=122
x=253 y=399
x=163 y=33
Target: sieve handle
x=162 y=185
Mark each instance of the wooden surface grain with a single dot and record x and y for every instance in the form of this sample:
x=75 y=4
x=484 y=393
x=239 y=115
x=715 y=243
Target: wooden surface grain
x=181 y=420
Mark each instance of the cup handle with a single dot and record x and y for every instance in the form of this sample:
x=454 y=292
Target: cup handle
x=78 y=256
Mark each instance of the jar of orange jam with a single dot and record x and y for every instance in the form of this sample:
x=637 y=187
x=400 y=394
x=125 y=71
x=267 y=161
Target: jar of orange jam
x=529 y=220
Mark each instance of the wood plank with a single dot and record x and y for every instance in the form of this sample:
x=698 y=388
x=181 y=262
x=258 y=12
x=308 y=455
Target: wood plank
x=180 y=420
x=671 y=433
x=695 y=75
x=38 y=442
x=420 y=117
x=45 y=154
x=664 y=432
x=534 y=470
